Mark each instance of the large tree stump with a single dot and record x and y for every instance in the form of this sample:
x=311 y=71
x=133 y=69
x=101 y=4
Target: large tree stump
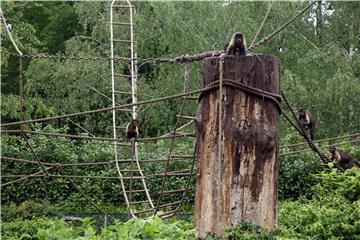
x=242 y=183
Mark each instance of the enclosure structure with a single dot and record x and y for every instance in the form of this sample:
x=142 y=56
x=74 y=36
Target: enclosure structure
x=143 y=193
x=237 y=143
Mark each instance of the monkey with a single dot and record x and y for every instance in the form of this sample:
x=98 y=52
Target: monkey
x=237 y=45
x=132 y=130
x=342 y=158
x=132 y=133
x=307 y=121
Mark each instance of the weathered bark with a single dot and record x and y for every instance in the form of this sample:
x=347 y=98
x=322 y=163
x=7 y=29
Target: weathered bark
x=242 y=184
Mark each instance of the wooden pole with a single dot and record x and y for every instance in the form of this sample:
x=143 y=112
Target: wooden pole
x=240 y=183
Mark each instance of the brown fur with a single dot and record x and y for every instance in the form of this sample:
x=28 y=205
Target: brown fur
x=132 y=130
x=342 y=158
x=237 y=45
x=307 y=121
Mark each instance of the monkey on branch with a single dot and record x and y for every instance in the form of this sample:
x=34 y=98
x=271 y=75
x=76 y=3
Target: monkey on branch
x=342 y=158
x=307 y=121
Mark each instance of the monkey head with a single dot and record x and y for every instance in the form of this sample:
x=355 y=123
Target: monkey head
x=133 y=122
x=301 y=113
x=239 y=39
x=332 y=149
x=237 y=45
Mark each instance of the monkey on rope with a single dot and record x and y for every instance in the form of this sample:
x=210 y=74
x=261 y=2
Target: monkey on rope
x=307 y=121
x=132 y=133
x=342 y=158
x=132 y=130
x=237 y=45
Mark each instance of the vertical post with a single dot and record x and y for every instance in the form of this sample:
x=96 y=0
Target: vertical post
x=240 y=183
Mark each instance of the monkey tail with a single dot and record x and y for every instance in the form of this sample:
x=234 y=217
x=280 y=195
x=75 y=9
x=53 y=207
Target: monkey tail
x=132 y=147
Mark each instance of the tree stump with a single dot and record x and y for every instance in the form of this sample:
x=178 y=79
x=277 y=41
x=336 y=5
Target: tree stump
x=241 y=183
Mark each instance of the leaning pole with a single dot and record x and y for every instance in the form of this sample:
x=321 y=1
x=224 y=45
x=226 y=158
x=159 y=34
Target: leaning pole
x=237 y=143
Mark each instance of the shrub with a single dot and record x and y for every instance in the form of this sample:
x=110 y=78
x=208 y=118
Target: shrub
x=248 y=231
x=333 y=213
x=296 y=175
x=44 y=229
x=27 y=210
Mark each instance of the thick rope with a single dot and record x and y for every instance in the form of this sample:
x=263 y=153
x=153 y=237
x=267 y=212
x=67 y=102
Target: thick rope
x=21 y=99
x=220 y=99
x=326 y=146
x=172 y=144
x=55 y=164
x=21 y=91
x=320 y=140
x=301 y=130
x=179 y=59
x=282 y=27
x=201 y=56
x=69 y=176
x=122 y=161
x=10 y=35
x=262 y=24
x=84 y=194
x=35 y=155
x=24 y=177
x=131 y=172
x=108 y=139
x=275 y=98
x=151 y=101
x=187 y=186
x=63 y=57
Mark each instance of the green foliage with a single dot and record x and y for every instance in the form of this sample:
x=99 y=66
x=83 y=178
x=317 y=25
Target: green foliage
x=33 y=108
x=36 y=229
x=248 y=231
x=27 y=210
x=296 y=174
x=345 y=184
x=46 y=229
x=334 y=72
x=62 y=150
x=334 y=212
x=330 y=219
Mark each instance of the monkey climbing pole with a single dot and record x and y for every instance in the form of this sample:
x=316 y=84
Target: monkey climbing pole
x=237 y=143
x=134 y=166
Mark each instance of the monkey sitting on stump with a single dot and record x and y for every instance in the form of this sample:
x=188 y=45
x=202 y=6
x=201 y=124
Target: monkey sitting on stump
x=237 y=45
x=342 y=158
x=307 y=121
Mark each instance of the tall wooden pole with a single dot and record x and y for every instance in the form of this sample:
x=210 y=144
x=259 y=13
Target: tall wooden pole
x=240 y=183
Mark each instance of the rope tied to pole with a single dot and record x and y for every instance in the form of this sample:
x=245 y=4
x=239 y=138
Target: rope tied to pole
x=275 y=98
